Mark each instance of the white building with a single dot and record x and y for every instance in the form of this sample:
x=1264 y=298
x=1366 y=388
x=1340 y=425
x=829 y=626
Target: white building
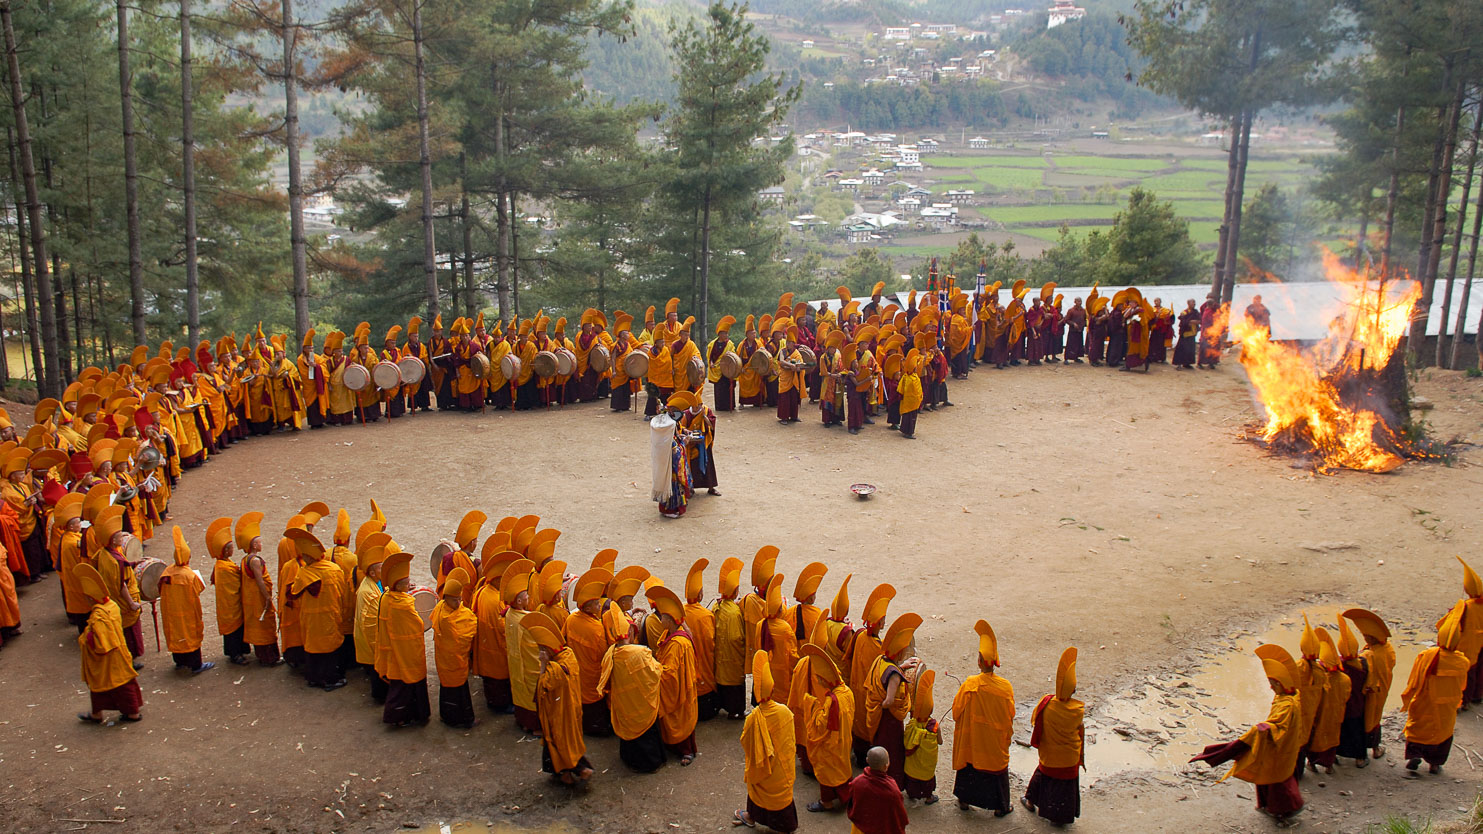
x=978 y=143
x=907 y=154
x=1064 y=11
x=873 y=177
x=808 y=44
x=898 y=33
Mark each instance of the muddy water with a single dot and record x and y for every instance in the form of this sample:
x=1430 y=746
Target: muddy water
x=1164 y=720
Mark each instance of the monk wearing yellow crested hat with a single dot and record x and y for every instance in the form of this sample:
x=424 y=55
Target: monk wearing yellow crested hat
x=180 y=604
x=318 y=589
x=226 y=583
x=730 y=642
x=1267 y=754
x=259 y=617
x=828 y=713
x=677 y=688
x=563 y=750
x=631 y=678
x=887 y=688
x=1054 y=791
x=372 y=550
x=697 y=424
x=700 y=624
x=1432 y=695
x=768 y=754
x=586 y=637
x=520 y=647
x=983 y=716
x=453 y=626
x=401 y=655
x=107 y=666
x=1379 y=657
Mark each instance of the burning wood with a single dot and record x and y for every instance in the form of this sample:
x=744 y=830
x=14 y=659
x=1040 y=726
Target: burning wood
x=1343 y=400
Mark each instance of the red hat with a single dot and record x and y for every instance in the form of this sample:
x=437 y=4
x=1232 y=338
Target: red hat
x=143 y=419
x=79 y=464
x=53 y=491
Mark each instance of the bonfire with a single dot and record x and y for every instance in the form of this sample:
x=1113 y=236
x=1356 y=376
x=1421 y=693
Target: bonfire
x=1341 y=401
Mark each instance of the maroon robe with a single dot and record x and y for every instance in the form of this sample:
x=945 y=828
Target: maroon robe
x=875 y=805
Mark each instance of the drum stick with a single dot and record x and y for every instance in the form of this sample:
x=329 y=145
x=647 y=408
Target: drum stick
x=155 y=615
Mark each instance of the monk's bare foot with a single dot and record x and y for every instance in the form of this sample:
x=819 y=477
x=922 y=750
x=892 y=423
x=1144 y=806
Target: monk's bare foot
x=584 y=774
x=567 y=778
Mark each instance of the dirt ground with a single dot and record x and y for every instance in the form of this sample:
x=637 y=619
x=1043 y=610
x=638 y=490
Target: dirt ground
x=1120 y=513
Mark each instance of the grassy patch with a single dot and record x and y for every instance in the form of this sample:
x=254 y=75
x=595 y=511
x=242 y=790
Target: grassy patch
x=995 y=161
x=1011 y=215
x=1111 y=163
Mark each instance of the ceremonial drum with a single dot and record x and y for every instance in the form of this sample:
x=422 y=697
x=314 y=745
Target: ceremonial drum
x=636 y=364
x=566 y=362
x=808 y=357
x=425 y=600
x=695 y=368
x=386 y=375
x=435 y=561
x=761 y=362
x=479 y=365
x=509 y=365
x=730 y=364
x=412 y=369
x=149 y=571
x=357 y=377
x=600 y=359
x=545 y=364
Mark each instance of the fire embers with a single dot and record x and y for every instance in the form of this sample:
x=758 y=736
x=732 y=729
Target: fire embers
x=1343 y=400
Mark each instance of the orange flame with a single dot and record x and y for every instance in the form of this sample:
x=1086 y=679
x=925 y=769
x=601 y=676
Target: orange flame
x=1300 y=388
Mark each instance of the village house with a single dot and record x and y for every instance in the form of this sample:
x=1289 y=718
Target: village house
x=851 y=183
x=960 y=196
x=873 y=177
x=941 y=215
x=909 y=205
x=1064 y=11
x=772 y=195
x=859 y=233
x=898 y=33
x=808 y=44
x=978 y=143
x=928 y=146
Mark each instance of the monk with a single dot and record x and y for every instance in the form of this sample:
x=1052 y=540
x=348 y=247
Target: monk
x=1432 y=696
x=1324 y=744
x=1312 y=682
x=921 y=739
x=630 y=675
x=827 y=721
x=401 y=657
x=731 y=643
x=677 y=688
x=1266 y=755
x=1059 y=734
x=1189 y=337
x=1379 y=657
x=585 y=637
x=260 y=626
x=491 y=661
x=700 y=624
x=521 y=652
x=1075 y=324
x=767 y=747
x=319 y=588
x=226 y=580
x=983 y=712
x=865 y=647
x=563 y=750
x=888 y=692
x=107 y=666
x=67 y=517
x=368 y=595
x=779 y=638
x=180 y=603
x=1470 y=614
x=875 y=805
x=453 y=626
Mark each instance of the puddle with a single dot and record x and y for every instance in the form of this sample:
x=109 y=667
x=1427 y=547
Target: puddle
x=468 y=827
x=1160 y=723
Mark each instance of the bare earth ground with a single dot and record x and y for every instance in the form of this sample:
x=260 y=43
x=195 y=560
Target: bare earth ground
x=1116 y=512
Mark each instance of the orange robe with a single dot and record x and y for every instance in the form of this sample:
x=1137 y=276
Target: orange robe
x=524 y=660
x=1059 y=732
x=69 y=556
x=1381 y=660
x=1433 y=694
x=180 y=608
x=319 y=615
x=863 y=652
x=1331 y=711
x=490 y=659
x=827 y=722
x=226 y=579
x=106 y=662
x=730 y=643
x=453 y=643
x=983 y=713
x=1271 y=753
x=768 y=749
x=260 y=627
x=400 y=652
x=678 y=710
x=587 y=640
x=875 y=696
x=630 y=675
x=700 y=624
x=560 y=710
x=367 y=608
x=291 y=624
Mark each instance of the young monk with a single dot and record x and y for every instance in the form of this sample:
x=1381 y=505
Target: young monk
x=1379 y=657
x=827 y=721
x=522 y=653
x=888 y=693
x=1054 y=791
x=921 y=739
x=260 y=626
x=180 y=603
x=875 y=804
x=1312 y=682
x=226 y=580
x=318 y=590
x=1352 y=736
x=369 y=564
x=730 y=645
x=67 y=517
x=491 y=660
x=107 y=666
x=1432 y=695
x=677 y=689
x=1470 y=609
x=1324 y=744
x=865 y=647
x=983 y=712
x=1267 y=754
x=630 y=676
x=401 y=657
x=700 y=624
x=767 y=747
x=558 y=702
x=453 y=627
x=584 y=635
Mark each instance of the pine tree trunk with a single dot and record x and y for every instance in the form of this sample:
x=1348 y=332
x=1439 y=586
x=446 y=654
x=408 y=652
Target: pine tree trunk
x=59 y=296
x=509 y=296
x=425 y=163
x=188 y=180
x=514 y=252
x=1459 y=335
x=702 y=313
x=1233 y=246
x=131 y=178
x=1392 y=193
x=1361 y=238
x=46 y=373
x=76 y=319
x=28 y=282
x=1437 y=232
x=1223 y=246
x=1442 y=357
x=297 y=239
x=470 y=301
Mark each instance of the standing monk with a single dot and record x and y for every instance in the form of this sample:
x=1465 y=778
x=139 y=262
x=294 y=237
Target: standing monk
x=259 y=622
x=401 y=656
x=828 y=717
x=1054 y=791
x=983 y=712
x=865 y=647
x=180 y=597
x=1189 y=337
x=1470 y=614
x=584 y=635
x=559 y=704
x=1076 y=325
x=767 y=748
x=107 y=666
x=731 y=642
x=453 y=626
x=723 y=388
x=1325 y=742
x=1379 y=657
x=318 y=589
x=1352 y=736
x=372 y=559
x=226 y=579
x=1432 y=695
x=677 y=689
x=700 y=624
x=630 y=675
x=888 y=693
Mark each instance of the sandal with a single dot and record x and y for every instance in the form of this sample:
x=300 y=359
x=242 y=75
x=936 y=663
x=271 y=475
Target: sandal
x=82 y=716
x=816 y=807
x=739 y=817
x=131 y=720
x=686 y=760
x=931 y=800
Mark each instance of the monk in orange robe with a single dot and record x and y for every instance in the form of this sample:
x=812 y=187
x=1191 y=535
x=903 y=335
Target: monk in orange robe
x=983 y=714
x=888 y=693
x=1059 y=734
x=730 y=643
x=767 y=747
x=1433 y=695
x=1353 y=743
x=491 y=660
x=345 y=558
x=1379 y=657
x=779 y=639
x=828 y=716
x=1471 y=610
x=677 y=688
x=1267 y=754
x=521 y=651
x=700 y=624
x=372 y=550
x=563 y=750
x=67 y=517
x=865 y=647
x=180 y=605
x=318 y=590
x=226 y=582
x=586 y=638
x=630 y=676
x=401 y=656
x=754 y=604
x=107 y=666
x=1312 y=682
x=1324 y=745
x=259 y=621
x=453 y=627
